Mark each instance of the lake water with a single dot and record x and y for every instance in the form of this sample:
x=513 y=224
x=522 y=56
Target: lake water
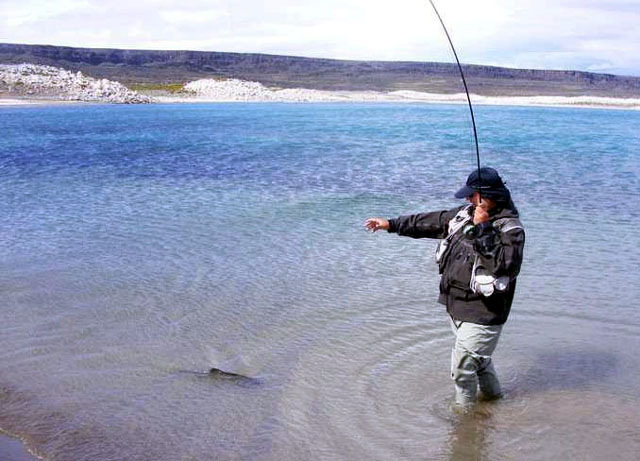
x=142 y=245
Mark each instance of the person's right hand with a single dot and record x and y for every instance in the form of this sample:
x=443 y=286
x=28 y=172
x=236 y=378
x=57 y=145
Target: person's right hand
x=375 y=224
x=480 y=213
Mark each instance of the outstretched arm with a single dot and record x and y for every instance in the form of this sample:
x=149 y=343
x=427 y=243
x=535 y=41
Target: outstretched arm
x=430 y=225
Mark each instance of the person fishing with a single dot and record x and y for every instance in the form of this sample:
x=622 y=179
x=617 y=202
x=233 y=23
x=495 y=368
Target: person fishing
x=479 y=257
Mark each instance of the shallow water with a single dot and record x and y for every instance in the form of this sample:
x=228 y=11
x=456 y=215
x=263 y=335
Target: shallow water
x=142 y=246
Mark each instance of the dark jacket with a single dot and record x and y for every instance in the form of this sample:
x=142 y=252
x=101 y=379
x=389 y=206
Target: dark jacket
x=499 y=252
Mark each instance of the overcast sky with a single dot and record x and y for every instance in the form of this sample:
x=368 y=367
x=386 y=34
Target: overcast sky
x=593 y=35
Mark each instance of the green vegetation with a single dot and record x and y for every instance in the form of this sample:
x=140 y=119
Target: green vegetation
x=149 y=87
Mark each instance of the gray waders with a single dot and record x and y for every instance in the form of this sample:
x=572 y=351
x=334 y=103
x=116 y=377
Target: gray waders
x=471 y=364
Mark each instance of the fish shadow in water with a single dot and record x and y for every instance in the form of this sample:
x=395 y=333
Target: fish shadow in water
x=219 y=375
x=565 y=370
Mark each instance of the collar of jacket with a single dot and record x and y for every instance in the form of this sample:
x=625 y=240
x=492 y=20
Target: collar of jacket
x=508 y=211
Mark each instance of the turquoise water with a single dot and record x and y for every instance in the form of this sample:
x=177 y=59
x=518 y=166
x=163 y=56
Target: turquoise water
x=142 y=245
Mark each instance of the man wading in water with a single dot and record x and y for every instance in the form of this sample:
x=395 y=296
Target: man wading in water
x=479 y=258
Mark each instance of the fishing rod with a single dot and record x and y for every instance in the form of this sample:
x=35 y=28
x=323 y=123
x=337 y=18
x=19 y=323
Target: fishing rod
x=466 y=90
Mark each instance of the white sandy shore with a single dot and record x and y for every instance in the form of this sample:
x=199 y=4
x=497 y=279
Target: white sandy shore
x=432 y=98
x=233 y=90
x=50 y=85
x=33 y=102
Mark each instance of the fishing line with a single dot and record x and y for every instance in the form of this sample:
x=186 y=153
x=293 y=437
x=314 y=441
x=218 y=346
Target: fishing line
x=466 y=90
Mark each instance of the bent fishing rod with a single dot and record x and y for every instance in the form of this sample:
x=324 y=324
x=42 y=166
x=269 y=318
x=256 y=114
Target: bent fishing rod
x=466 y=90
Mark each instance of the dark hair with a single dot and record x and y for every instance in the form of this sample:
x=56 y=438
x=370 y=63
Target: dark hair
x=500 y=196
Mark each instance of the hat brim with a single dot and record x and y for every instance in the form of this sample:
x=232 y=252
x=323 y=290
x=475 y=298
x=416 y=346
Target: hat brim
x=464 y=192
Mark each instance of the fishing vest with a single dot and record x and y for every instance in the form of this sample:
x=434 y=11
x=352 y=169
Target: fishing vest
x=482 y=281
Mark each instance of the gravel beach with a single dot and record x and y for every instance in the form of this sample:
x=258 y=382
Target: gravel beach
x=32 y=84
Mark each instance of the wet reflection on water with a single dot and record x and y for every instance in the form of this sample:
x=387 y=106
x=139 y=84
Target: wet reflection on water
x=468 y=436
x=548 y=397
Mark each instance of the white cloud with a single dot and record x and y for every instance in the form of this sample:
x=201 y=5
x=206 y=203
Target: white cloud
x=582 y=34
x=19 y=13
x=189 y=18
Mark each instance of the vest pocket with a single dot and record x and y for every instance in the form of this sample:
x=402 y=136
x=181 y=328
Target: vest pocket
x=457 y=272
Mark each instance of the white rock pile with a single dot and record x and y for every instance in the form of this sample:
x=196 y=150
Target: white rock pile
x=47 y=82
x=242 y=90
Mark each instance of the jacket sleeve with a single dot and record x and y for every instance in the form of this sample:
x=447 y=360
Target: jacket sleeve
x=431 y=225
x=499 y=252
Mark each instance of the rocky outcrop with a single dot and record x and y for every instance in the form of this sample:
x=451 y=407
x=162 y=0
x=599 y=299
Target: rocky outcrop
x=162 y=67
x=47 y=82
x=241 y=90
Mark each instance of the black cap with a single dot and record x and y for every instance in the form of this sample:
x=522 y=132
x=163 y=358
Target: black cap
x=489 y=184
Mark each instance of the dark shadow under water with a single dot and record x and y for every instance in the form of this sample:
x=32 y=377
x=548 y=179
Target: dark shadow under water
x=218 y=375
x=564 y=370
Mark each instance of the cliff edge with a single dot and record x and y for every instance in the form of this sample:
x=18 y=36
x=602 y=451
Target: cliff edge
x=149 y=70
